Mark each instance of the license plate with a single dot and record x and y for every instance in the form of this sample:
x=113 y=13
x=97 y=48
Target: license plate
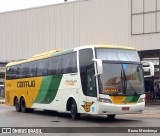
x=125 y=108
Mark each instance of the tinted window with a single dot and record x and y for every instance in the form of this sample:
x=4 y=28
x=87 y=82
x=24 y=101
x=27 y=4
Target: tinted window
x=54 y=65
x=26 y=70
x=69 y=63
x=117 y=55
x=19 y=71
x=42 y=66
x=8 y=73
x=33 y=71
x=13 y=72
x=29 y=69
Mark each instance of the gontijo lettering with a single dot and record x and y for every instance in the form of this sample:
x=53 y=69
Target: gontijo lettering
x=22 y=84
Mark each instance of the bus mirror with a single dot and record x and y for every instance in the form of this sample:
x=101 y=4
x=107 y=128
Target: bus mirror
x=148 y=68
x=99 y=66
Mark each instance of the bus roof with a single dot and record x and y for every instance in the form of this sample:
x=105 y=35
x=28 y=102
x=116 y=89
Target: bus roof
x=59 y=52
x=36 y=57
x=107 y=46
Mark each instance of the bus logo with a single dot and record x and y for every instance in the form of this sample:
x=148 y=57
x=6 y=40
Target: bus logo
x=87 y=106
x=23 y=84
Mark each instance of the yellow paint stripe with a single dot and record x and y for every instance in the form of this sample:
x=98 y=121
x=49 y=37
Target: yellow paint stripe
x=114 y=46
x=120 y=100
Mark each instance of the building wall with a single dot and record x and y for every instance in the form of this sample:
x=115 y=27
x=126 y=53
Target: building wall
x=25 y=33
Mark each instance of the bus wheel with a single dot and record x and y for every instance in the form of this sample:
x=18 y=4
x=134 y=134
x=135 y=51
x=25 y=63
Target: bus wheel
x=17 y=105
x=23 y=105
x=111 y=117
x=74 y=113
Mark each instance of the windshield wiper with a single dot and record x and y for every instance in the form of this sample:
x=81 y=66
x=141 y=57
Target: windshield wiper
x=123 y=79
x=125 y=83
x=132 y=88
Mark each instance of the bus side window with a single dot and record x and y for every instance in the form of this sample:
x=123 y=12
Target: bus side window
x=42 y=67
x=50 y=66
x=54 y=65
x=32 y=69
x=18 y=71
x=8 y=73
x=22 y=70
x=13 y=72
x=69 y=63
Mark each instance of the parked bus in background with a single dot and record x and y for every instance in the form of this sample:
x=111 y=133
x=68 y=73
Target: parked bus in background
x=94 y=79
x=149 y=73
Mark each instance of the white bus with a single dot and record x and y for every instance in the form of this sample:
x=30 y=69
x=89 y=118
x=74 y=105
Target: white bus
x=96 y=79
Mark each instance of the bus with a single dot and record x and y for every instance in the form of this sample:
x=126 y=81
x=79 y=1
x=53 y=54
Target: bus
x=92 y=79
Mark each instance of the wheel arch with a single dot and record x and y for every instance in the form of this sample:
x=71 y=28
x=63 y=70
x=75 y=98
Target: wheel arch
x=69 y=101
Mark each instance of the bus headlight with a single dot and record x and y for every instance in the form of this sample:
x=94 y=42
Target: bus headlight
x=141 y=100
x=105 y=100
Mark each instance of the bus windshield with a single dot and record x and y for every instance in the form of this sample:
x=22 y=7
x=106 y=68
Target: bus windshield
x=122 y=72
x=121 y=79
x=117 y=55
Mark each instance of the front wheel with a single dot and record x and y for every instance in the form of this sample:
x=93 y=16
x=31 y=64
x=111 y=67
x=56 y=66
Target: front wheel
x=111 y=117
x=74 y=113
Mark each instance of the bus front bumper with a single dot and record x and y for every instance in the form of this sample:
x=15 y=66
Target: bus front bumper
x=108 y=108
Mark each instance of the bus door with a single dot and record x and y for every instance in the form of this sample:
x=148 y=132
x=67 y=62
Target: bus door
x=91 y=91
x=88 y=82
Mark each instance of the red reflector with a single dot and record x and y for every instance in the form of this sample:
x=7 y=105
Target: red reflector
x=125 y=108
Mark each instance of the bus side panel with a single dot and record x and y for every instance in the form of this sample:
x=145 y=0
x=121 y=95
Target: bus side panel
x=27 y=88
x=70 y=86
x=47 y=95
x=9 y=97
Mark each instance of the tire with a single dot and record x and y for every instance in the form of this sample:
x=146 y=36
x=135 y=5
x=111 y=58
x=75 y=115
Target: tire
x=74 y=114
x=111 y=117
x=30 y=110
x=23 y=105
x=17 y=105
